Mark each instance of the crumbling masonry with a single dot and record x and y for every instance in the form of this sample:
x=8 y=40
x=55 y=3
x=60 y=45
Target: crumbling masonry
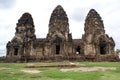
x=95 y=45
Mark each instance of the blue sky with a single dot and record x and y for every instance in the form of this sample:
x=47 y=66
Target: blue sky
x=12 y=10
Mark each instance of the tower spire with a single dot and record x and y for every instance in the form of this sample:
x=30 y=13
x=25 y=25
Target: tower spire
x=93 y=22
x=58 y=24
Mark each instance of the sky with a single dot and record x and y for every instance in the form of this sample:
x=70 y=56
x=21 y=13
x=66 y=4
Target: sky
x=77 y=10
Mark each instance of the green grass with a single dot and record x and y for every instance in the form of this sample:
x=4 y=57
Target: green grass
x=13 y=72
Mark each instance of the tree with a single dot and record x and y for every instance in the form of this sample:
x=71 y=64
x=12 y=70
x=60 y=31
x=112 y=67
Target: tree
x=117 y=50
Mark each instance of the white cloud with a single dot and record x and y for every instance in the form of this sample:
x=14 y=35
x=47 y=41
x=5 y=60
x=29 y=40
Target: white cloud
x=76 y=10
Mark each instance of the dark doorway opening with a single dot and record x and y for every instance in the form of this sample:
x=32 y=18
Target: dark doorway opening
x=16 y=51
x=57 y=49
x=102 y=45
x=78 y=50
x=102 y=50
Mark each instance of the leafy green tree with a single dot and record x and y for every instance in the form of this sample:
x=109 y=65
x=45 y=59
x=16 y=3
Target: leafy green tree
x=117 y=50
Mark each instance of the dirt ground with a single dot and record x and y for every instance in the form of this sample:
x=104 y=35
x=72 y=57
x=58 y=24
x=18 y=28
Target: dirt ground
x=88 y=69
x=31 y=71
x=3 y=68
x=80 y=68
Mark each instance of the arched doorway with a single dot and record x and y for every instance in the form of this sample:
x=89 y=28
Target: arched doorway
x=78 y=50
x=57 y=49
x=102 y=50
x=57 y=42
x=16 y=51
x=16 y=44
x=102 y=46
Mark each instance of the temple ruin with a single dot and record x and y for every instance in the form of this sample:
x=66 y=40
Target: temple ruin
x=59 y=45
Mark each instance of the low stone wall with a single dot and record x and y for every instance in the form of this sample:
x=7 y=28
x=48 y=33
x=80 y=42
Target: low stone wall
x=91 y=58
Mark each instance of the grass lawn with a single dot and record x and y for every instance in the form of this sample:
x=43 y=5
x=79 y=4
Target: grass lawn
x=14 y=71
